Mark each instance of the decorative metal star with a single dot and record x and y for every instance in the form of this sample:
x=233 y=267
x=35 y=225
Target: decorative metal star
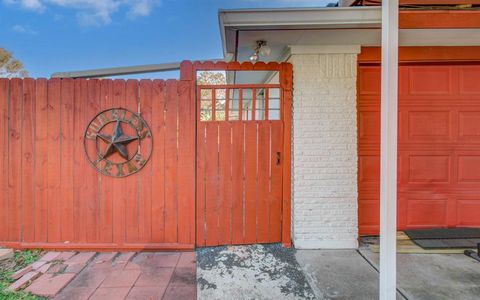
x=117 y=141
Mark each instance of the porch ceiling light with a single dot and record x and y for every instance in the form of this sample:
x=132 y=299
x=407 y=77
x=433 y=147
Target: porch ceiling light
x=261 y=48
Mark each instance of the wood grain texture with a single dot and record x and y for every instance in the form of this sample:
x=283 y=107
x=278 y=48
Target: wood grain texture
x=4 y=100
x=171 y=162
x=67 y=118
x=53 y=198
x=28 y=160
x=15 y=161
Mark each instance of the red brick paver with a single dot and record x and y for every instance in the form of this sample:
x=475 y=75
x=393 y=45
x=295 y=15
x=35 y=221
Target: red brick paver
x=180 y=291
x=110 y=293
x=23 y=280
x=80 y=258
x=146 y=293
x=50 y=256
x=38 y=264
x=48 y=285
x=121 y=278
x=21 y=272
x=66 y=255
x=130 y=275
x=187 y=259
x=76 y=294
x=154 y=277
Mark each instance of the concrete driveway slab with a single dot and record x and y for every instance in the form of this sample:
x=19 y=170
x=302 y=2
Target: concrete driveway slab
x=339 y=274
x=435 y=276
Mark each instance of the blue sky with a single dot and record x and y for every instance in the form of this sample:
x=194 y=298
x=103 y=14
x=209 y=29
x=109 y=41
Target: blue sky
x=64 y=35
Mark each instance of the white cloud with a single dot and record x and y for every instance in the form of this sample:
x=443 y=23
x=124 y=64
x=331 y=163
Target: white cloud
x=23 y=29
x=91 y=12
x=35 y=5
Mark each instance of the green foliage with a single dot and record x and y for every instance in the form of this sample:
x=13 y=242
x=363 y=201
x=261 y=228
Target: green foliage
x=212 y=78
x=20 y=260
x=10 y=66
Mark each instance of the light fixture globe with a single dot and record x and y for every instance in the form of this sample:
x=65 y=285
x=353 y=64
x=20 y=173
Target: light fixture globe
x=265 y=50
x=260 y=48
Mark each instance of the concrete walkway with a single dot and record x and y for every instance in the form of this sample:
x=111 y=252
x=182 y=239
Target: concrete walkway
x=434 y=276
x=352 y=274
x=339 y=274
x=250 y=272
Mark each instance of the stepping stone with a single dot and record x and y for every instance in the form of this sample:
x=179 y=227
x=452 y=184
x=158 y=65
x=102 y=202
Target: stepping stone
x=37 y=265
x=48 y=285
x=76 y=294
x=23 y=280
x=43 y=269
x=66 y=255
x=5 y=254
x=78 y=262
x=21 y=272
x=181 y=291
x=123 y=278
x=110 y=294
x=105 y=257
x=49 y=256
x=187 y=259
x=75 y=268
x=80 y=258
x=142 y=293
x=154 y=277
x=57 y=268
x=125 y=257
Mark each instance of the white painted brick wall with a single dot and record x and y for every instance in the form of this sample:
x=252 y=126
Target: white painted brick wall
x=324 y=147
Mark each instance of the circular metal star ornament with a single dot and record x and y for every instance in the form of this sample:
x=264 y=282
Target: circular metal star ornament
x=118 y=142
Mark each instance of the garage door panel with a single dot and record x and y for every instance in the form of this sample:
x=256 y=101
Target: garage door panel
x=438 y=148
x=468 y=80
x=417 y=209
x=468 y=211
x=432 y=80
x=434 y=168
x=469 y=168
x=429 y=125
x=469 y=126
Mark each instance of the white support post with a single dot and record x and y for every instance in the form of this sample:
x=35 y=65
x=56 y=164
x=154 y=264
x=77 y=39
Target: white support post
x=388 y=151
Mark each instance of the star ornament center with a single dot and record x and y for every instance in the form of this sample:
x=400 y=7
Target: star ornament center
x=118 y=142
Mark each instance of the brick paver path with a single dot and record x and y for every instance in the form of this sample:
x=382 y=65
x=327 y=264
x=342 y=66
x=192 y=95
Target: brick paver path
x=143 y=275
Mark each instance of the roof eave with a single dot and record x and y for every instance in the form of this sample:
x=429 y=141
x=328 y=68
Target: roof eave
x=295 y=18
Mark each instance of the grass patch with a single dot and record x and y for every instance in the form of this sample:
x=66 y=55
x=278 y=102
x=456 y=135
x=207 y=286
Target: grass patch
x=20 y=260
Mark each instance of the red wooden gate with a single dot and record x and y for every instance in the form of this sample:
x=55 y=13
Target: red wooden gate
x=241 y=160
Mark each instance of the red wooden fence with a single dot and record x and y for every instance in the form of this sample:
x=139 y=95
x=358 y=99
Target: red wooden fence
x=52 y=198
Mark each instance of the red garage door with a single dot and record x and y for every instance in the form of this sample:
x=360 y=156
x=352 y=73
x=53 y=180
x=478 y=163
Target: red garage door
x=438 y=146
